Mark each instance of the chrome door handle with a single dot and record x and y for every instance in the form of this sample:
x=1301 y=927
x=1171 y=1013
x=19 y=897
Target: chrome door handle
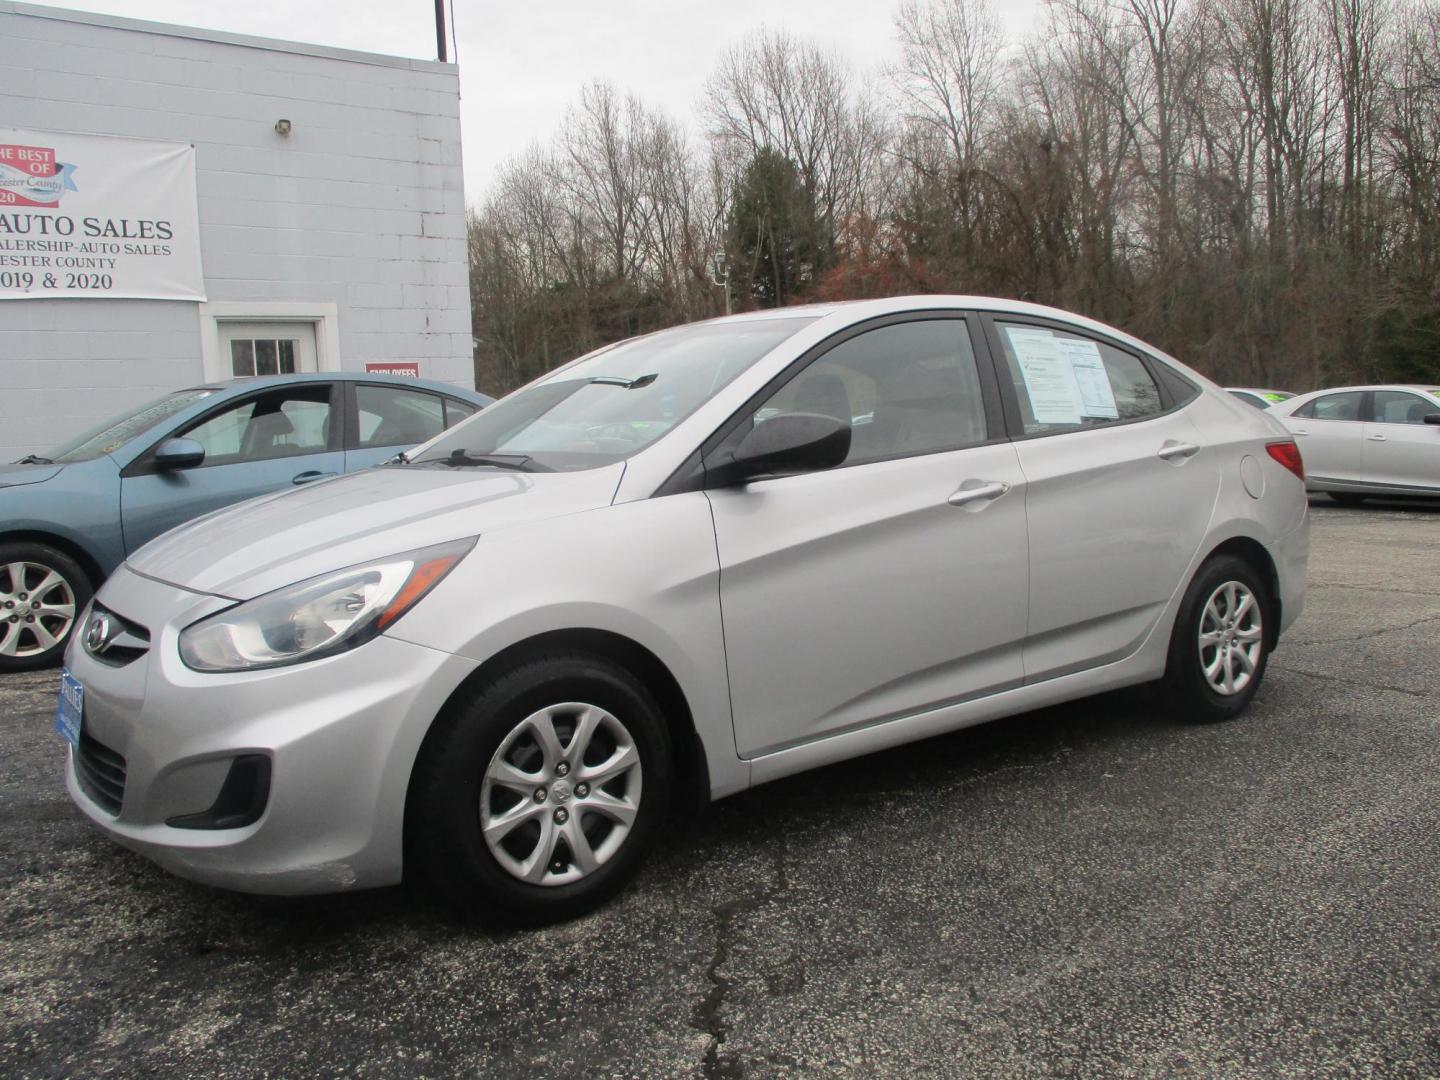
x=311 y=476
x=1172 y=450
x=963 y=495
x=1377 y=438
x=1298 y=431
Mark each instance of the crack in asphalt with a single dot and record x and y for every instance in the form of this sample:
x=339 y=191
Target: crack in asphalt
x=1353 y=682
x=1368 y=588
x=706 y=1015
x=1368 y=634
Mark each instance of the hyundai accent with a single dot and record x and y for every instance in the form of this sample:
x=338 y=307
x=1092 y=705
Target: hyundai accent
x=671 y=570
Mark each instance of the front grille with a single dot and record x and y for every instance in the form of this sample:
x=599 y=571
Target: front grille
x=101 y=772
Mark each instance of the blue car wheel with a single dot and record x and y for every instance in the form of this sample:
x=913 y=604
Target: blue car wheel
x=42 y=593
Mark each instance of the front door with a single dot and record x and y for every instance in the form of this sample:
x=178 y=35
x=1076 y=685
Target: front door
x=263 y=442
x=1401 y=450
x=891 y=584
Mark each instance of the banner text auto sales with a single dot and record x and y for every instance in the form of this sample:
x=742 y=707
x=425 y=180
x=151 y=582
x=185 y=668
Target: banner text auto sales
x=94 y=228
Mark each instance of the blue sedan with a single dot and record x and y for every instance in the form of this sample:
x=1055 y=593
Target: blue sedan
x=69 y=517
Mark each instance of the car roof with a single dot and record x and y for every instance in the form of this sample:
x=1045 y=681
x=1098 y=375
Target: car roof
x=260 y=382
x=1427 y=387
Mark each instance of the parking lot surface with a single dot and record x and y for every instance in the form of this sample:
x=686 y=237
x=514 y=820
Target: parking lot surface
x=1092 y=890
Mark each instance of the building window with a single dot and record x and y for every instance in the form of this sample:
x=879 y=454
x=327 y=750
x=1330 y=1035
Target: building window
x=262 y=356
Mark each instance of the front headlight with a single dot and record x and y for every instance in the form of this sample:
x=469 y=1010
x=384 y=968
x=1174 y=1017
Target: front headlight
x=319 y=617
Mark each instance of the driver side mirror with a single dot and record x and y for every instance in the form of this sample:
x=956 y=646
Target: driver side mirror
x=783 y=445
x=178 y=454
x=1432 y=418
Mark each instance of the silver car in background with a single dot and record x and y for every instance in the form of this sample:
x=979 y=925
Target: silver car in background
x=1360 y=441
x=678 y=567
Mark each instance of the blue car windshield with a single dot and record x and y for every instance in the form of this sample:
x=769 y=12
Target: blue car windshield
x=119 y=430
x=612 y=404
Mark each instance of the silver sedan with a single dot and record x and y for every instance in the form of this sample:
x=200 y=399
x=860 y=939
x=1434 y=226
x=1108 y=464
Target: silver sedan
x=1368 y=440
x=673 y=569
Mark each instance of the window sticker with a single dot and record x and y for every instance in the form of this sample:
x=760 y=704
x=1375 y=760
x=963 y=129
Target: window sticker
x=1097 y=399
x=1049 y=380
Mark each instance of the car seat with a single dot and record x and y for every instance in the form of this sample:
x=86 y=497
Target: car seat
x=264 y=436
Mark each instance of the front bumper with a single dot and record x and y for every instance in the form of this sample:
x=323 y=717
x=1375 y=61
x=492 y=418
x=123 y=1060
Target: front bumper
x=341 y=735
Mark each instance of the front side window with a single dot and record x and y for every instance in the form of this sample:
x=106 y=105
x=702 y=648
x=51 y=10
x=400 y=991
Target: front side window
x=1066 y=382
x=1399 y=407
x=613 y=404
x=1344 y=406
x=282 y=423
x=909 y=388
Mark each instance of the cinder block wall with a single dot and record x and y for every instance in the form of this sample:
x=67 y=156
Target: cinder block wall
x=361 y=206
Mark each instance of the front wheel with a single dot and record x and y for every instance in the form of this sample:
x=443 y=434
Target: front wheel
x=1218 y=649
x=42 y=592
x=536 y=800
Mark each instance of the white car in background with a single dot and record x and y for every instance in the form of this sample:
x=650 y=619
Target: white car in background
x=1360 y=441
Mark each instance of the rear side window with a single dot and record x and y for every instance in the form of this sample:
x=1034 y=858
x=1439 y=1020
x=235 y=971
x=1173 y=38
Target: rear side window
x=1344 y=406
x=395 y=416
x=455 y=411
x=1067 y=382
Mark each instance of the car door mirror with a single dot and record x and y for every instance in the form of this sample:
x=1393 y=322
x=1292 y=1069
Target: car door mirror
x=1432 y=418
x=785 y=444
x=178 y=454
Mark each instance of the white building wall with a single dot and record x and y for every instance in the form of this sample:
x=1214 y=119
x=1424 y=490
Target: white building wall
x=361 y=206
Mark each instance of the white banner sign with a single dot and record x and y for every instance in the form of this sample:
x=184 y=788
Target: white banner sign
x=89 y=215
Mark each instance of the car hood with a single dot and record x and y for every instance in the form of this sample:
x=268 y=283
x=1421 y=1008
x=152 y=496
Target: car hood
x=15 y=475
x=266 y=543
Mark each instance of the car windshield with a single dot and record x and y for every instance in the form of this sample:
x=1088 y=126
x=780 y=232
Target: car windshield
x=119 y=430
x=612 y=404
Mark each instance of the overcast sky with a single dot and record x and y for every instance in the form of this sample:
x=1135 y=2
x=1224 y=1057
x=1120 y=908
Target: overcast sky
x=522 y=62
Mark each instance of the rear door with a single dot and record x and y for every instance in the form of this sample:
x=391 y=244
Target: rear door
x=1119 y=489
x=1330 y=431
x=1400 y=449
x=256 y=444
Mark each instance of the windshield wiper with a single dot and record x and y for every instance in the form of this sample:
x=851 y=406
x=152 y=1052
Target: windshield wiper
x=34 y=459
x=629 y=384
x=460 y=459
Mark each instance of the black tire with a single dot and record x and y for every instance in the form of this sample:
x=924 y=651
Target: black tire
x=24 y=628
x=1185 y=686
x=443 y=823
x=1344 y=498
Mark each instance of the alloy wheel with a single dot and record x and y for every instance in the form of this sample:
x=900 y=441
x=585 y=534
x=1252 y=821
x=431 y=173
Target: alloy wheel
x=37 y=609
x=1231 y=638
x=560 y=794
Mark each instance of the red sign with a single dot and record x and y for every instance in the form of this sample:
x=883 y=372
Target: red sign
x=409 y=370
x=30 y=176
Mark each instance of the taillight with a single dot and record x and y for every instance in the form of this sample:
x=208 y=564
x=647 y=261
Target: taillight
x=1288 y=454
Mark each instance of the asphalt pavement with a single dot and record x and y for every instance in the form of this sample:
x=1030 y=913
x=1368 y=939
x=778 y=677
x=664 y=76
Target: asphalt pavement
x=1096 y=890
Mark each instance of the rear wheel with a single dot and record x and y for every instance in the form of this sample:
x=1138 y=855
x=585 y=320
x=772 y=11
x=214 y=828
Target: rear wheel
x=1219 y=647
x=537 y=800
x=42 y=592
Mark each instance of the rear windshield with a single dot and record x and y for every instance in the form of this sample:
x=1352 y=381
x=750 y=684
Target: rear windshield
x=613 y=404
x=119 y=430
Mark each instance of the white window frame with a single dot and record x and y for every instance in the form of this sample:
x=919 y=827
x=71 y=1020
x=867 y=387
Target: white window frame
x=324 y=317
